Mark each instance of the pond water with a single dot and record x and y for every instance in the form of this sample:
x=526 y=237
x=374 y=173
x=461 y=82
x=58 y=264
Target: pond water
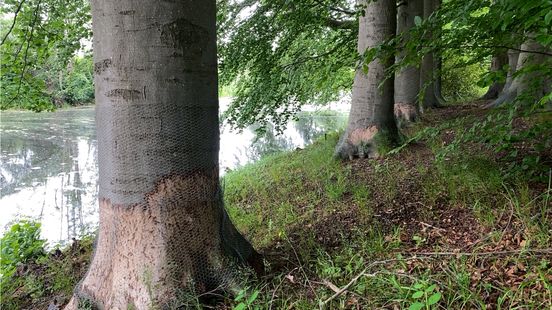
x=49 y=168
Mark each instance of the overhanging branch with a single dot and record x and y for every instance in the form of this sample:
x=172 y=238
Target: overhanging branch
x=341 y=24
x=13 y=24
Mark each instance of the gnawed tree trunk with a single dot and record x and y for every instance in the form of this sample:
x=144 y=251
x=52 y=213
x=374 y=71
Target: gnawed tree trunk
x=407 y=80
x=497 y=63
x=526 y=87
x=371 y=119
x=428 y=68
x=163 y=230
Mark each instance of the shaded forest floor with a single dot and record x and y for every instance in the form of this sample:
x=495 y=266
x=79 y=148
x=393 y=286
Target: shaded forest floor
x=458 y=217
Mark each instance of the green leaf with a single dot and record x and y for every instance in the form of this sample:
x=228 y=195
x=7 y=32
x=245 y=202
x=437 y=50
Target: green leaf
x=417 y=20
x=240 y=296
x=431 y=288
x=417 y=294
x=433 y=299
x=240 y=306
x=548 y=18
x=252 y=298
x=416 y=306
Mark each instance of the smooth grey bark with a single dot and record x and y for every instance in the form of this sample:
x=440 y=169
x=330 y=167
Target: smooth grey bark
x=526 y=87
x=427 y=71
x=407 y=80
x=500 y=59
x=163 y=231
x=371 y=119
x=513 y=57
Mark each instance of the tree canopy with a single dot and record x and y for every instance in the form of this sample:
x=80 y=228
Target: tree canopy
x=282 y=54
x=275 y=55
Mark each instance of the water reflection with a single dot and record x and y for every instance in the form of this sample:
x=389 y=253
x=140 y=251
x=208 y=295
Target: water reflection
x=48 y=164
x=48 y=171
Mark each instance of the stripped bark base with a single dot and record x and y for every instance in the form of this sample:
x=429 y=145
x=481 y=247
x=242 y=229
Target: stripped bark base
x=405 y=113
x=360 y=142
x=148 y=254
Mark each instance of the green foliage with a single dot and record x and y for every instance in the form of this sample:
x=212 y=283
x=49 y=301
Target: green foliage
x=19 y=245
x=245 y=299
x=45 y=36
x=79 y=82
x=498 y=133
x=29 y=276
x=459 y=79
x=424 y=296
x=283 y=54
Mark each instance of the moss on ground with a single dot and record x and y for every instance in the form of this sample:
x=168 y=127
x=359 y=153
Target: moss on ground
x=449 y=221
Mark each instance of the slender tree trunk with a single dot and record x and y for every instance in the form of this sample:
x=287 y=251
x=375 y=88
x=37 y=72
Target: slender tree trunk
x=427 y=78
x=407 y=80
x=513 y=57
x=438 y=85
x=498 y=61
x=163 y=230
x=371 y=119
x=527 y=87
x=438 y=67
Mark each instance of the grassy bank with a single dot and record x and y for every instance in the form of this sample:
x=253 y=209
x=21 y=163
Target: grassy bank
x=459 y=217
x=455 y=219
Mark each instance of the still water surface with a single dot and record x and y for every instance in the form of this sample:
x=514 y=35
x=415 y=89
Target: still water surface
x=49 y=168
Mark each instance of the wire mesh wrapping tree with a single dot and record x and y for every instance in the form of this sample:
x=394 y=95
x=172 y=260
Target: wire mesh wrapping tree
x=163 y=229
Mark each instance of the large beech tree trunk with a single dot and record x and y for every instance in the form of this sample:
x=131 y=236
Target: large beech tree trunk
x=163 y=230
x=527 y=87
x=371 y=118
x=407 y=80
x=499 y=60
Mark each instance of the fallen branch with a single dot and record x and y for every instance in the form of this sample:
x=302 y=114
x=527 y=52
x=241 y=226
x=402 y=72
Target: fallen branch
x=346 y=287
x=330 y=285
x=431 y=226
x=531 y=251
x=342 y=290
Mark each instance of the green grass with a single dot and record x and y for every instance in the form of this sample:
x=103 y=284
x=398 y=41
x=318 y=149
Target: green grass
x=290 y=203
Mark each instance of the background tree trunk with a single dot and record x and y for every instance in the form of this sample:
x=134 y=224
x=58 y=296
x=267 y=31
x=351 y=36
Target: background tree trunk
x=438 y=67
x=427 y=78
x=371 y=119
x=529 y=87
x=438 y=84
x=513 y=57
x=163 y=230
x=407 y=80
x=498 y=61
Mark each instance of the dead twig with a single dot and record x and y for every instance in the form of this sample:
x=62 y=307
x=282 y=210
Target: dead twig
x=431 y=226
x=342 y=290
x=346 y=287
x=488 y=253
x=301 y=266
x=330 y=285
x=277 y=287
